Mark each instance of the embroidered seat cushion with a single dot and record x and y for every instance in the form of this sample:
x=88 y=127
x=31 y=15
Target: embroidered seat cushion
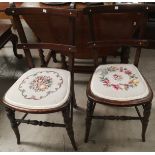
x=121 y=82
x=40 y=88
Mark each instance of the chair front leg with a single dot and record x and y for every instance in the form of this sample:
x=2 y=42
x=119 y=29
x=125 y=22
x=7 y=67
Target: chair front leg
x=11 y=116
x=89 y=113
x=69 y=127
x=146 y=113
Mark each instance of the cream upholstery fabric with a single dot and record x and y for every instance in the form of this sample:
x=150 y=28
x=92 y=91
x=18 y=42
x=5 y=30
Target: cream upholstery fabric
x=40 y=88
x=122 y=82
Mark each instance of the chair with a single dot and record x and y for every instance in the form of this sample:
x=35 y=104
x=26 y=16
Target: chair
x=118 y=85
x=7 y=35
x=43 y=90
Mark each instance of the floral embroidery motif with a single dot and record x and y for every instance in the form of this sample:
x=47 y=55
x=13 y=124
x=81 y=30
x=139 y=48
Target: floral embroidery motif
x=119 y=78
x=41 y=84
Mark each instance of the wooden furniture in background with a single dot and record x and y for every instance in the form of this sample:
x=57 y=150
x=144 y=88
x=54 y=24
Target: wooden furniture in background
x=7 y=35
x=3 y=16
x=118 y=85
x=82 y=35
x=59 y=32
x=43 y=90
x=150 y=27
x=3 y=6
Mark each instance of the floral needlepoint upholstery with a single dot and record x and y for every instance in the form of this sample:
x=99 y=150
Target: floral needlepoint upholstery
x=40 y=88
x=118 y=82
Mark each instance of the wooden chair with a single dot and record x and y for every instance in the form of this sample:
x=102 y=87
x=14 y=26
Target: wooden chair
x=43 y=90
x=7 y=35
x=118 y=85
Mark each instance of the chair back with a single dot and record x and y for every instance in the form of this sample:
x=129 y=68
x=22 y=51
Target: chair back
x=150 y=28
x=40 y=23
x=121 y=23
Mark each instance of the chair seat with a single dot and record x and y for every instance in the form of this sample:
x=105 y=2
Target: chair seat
x=119 y=82
x=40 y=88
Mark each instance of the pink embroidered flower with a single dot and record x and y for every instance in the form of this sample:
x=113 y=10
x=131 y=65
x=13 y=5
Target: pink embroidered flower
x=106 y=82
x=116 y=86
x=128 y=72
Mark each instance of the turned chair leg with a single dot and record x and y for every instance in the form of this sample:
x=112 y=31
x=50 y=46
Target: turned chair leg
x=89 y=113
x=125 y=55
x=63 y=60
x=146 y=113
x=104 y=60
x=42 y=58
x=14 y=40
x=11 y=116
x=53 y=55
x=69 y=127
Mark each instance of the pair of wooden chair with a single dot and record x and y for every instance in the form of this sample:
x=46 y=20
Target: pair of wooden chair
x=47 y=90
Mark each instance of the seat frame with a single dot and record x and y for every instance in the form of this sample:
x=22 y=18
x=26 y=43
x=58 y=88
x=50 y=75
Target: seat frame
x=67 y=107
x=138 y=43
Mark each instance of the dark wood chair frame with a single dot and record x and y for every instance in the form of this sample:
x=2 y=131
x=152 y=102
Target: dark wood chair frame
x=23 y=39
x=138 y=43
x=67 y=108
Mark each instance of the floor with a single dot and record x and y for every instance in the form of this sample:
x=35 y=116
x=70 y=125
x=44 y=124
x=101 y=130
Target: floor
x=104 y=135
